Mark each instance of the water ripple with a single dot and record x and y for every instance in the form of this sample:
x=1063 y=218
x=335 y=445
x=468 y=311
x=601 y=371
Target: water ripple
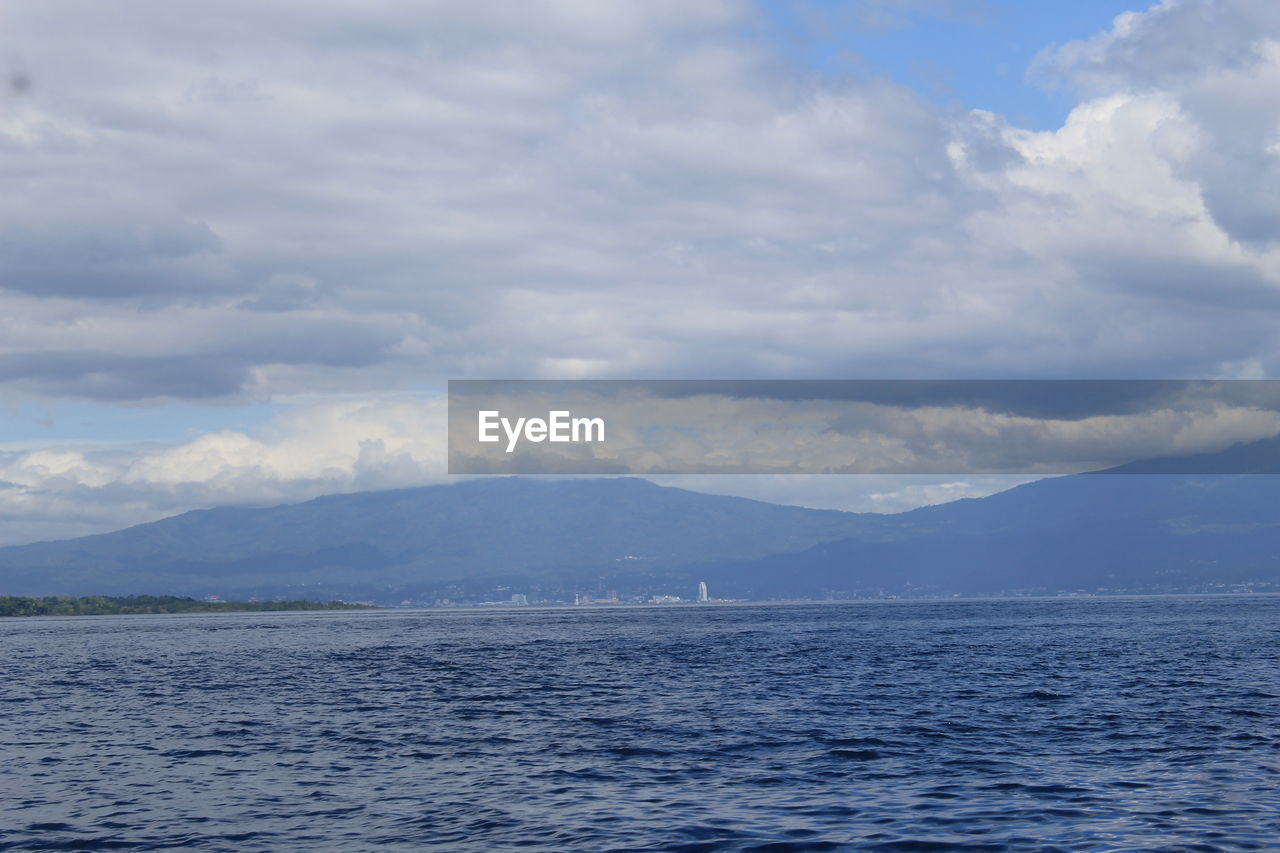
x=1125 y=724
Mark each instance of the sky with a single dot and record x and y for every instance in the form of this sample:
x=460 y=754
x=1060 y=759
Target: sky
x=244 y=244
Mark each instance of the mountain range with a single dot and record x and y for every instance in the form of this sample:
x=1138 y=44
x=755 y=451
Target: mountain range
x=485 y=539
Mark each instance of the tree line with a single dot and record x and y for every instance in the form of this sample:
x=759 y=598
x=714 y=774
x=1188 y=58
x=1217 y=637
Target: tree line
x=100 y=605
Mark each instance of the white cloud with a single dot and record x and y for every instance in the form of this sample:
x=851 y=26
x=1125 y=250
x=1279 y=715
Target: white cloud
x=391 y=194
x=306 y=451
x=1215 y=66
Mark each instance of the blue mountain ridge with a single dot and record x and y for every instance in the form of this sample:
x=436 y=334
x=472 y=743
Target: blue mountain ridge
x=1118 y=531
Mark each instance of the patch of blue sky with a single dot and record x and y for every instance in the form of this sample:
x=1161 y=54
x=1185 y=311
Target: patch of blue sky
x=959 y=54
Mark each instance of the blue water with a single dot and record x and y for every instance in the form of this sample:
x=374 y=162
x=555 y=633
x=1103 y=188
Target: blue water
x=1121 y=724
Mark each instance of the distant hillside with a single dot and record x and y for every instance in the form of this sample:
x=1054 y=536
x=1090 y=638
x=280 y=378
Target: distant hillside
x=410 y=542
x=485 y=539
x=1117 y=533
x=1203 y=523
x=103 y=605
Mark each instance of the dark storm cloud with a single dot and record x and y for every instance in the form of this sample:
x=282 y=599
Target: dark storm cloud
x=221 y=367
x=107 y=376
x=110 y=260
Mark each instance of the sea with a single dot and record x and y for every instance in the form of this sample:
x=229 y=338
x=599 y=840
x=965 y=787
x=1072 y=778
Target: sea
x=1143 y=723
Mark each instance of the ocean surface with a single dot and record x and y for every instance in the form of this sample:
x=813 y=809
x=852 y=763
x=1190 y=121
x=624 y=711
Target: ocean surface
x=1091 y=724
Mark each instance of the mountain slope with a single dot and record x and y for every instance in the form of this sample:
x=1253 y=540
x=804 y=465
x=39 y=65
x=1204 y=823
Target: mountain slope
x=550 y=538
x=1130 y=532
x=376 y=543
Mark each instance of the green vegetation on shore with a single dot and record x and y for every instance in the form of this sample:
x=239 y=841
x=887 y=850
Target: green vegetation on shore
x=100 y=605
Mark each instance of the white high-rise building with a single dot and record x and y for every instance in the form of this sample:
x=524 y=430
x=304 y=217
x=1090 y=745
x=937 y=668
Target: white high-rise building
x=702 y=591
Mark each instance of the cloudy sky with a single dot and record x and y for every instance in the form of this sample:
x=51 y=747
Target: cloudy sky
x=244 y=244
